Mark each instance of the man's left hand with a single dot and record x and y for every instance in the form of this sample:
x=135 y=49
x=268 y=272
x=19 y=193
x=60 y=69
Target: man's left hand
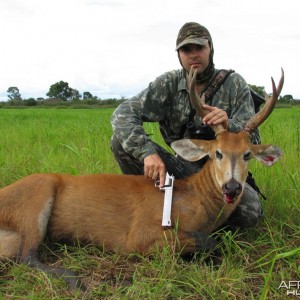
x=215 y=116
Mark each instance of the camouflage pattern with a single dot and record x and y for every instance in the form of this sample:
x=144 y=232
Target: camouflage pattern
x=166 y=101
x=192 y=33
x=175 y=165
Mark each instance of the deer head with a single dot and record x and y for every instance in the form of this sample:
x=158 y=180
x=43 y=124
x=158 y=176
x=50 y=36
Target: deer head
x=230 y=152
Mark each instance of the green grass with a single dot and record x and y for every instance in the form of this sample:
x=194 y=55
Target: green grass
x=66 y=141
x=253 y=262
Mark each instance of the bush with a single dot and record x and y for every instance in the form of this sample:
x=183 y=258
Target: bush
x=30 y=102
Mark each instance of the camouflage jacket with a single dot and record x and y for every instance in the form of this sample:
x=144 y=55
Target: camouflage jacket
x=166 y=101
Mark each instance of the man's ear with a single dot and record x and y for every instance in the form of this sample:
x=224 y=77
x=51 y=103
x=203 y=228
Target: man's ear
x=191 y=150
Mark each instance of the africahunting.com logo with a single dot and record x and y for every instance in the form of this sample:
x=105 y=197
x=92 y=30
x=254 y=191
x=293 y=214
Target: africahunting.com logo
x=291 y=287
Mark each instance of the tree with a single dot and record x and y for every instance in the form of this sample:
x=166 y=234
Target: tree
x=14 y=94
x=30 y=102
x=87 y=95
x=288 y=98
x=60 y=90
x=75 y=94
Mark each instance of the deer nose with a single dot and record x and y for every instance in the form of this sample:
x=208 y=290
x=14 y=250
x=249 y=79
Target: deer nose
x=231 y=190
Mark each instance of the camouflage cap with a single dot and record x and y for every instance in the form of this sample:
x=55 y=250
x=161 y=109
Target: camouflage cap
x=192 y=33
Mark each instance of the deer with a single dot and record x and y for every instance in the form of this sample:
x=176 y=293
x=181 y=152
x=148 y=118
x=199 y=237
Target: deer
x=123 y=213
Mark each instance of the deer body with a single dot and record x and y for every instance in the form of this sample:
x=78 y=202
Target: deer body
x=120 y=212
x=124 y=212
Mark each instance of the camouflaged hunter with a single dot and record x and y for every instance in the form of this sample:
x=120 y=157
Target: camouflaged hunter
x=167 y=101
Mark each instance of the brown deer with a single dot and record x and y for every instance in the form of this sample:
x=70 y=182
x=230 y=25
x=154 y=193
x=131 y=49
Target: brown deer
x=124 y=212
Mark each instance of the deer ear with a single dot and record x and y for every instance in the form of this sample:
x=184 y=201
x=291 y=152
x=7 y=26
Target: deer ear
x=190 y=151
x=267 y=154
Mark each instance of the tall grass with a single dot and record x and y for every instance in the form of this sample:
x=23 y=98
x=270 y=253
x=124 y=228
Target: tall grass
x=253 y=263
x=66 y=141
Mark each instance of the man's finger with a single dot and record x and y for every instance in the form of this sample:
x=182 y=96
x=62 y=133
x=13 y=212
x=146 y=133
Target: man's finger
x=162 y=179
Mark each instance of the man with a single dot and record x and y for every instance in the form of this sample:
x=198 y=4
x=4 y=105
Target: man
x=166 y=101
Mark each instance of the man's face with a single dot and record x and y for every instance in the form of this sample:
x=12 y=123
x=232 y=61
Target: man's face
x=194 y=56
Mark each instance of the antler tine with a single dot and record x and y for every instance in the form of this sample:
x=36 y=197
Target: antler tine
x=198 y=101
x=264 y=113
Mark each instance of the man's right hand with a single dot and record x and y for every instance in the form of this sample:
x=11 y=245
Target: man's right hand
x=154 y=168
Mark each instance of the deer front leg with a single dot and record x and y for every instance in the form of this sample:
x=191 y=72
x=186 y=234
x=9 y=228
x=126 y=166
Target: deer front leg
x=188 y=242
x=191 y=242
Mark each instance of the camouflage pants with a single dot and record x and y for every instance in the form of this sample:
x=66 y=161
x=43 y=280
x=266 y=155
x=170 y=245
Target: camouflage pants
x=247 y=214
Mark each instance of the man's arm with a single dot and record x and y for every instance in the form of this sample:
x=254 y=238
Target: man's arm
x=127 y=122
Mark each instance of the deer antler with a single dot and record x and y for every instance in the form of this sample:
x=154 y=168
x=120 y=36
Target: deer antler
x=198 y=101
x=264 y=113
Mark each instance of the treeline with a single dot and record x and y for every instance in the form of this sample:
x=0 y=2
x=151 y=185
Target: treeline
x=54 y=102
x=282 y=100
x=62 y=95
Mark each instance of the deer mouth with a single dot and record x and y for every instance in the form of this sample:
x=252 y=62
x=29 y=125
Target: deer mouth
x=231 y=191
x=228 y=198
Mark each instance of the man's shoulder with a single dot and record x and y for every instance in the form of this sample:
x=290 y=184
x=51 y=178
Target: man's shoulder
x=169 y=81
x=233 y=79
x=176 y=75
x=231 y=73
x=235 y=76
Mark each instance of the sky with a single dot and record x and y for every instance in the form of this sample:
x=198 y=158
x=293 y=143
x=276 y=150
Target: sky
x=115 y=48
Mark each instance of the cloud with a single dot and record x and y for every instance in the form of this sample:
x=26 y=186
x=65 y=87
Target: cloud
x=115 y=48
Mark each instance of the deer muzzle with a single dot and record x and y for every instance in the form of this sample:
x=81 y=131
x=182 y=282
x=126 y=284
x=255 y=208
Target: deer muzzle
x=231 y=190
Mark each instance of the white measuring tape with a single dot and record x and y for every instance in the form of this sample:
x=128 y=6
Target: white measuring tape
x=168 y=188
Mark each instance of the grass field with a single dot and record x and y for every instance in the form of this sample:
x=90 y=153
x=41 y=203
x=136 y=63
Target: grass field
x=254 y=263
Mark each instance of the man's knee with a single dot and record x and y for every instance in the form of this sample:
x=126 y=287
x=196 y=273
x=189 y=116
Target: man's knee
x=115 y=145
x=249 y=212
x=127 y=163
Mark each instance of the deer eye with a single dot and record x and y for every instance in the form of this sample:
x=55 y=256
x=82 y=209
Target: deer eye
x=247 y=156
x=219 y=155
